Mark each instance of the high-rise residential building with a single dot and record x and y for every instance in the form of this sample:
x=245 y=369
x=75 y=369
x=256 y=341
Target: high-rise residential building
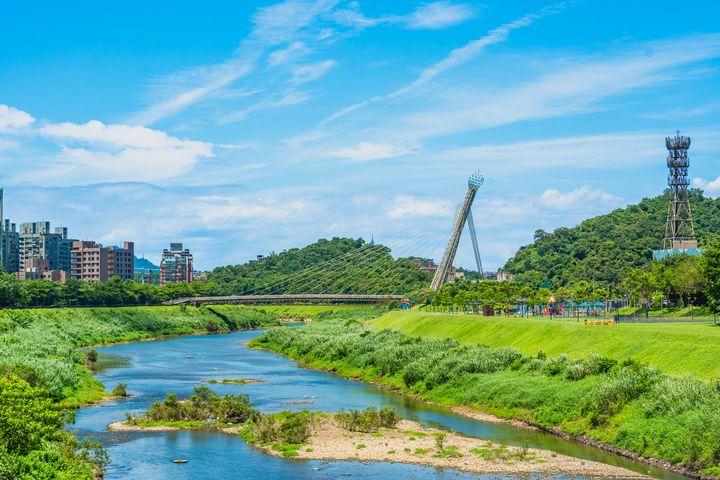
x=10 y=247
x=37 y=241
x=2 y=230
x=9 y=241
x=176 y=265
x=91 y=262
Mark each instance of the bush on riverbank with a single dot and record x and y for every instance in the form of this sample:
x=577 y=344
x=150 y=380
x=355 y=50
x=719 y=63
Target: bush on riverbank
x=627 y=404
x=368 y=420
x=33 y=443
x=203 y=405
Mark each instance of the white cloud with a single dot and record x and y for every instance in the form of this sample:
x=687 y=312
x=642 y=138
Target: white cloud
x=311 y=71
x=284 y=55
x=579 y=198
x=411 y=206
x=12 y=118
x=366 y=151
x=438 y=15
x=215 y=209
x=429 y=16
x=117 y=135
x=710 y=187
x=95 y=152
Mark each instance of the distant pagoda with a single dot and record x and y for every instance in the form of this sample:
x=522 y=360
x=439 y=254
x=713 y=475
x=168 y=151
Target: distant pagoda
x=679 y=230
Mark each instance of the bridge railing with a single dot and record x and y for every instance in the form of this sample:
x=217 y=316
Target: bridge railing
x=289 y=298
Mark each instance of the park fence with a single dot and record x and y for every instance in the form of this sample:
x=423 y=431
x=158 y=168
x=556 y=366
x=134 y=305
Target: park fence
x=664 y=319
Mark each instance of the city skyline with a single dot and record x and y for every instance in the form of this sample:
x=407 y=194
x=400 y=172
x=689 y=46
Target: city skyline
x=245 y=129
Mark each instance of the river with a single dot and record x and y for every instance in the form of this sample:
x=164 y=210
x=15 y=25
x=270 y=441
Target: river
x=177 y=364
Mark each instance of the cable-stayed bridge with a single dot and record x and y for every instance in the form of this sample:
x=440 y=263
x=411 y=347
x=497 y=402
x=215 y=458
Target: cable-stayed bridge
x=368 y=274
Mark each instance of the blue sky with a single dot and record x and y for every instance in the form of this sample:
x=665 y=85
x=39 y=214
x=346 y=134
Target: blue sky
x=241 y=128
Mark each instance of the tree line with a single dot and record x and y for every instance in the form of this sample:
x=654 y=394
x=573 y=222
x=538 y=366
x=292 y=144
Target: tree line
x=339 y=265
x=677 y=281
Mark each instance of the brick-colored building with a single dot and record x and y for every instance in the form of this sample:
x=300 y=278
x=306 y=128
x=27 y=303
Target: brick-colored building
x=39 y=269
x=176 y=265
x=92 y=262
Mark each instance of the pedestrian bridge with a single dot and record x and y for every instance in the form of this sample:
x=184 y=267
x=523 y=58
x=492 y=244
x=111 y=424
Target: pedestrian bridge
x=289 y=299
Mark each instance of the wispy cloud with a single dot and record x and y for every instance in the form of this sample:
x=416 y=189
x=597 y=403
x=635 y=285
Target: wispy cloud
x=580 y=197
x=428 y=16
x=454 y=59
x=311 y=71
x=366 y=151
x=586 y=151
x=273 y=26
x=439 y=15
x=411 y=206
x=571 y=90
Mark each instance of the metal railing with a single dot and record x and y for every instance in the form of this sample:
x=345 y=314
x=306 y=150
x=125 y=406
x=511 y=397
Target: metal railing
x=664 y=319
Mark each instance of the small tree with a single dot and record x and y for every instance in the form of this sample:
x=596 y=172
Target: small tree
x=710 y=268
x=440 y=438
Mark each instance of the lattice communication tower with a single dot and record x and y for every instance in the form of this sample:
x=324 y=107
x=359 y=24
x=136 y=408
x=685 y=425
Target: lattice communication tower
x=679 y=231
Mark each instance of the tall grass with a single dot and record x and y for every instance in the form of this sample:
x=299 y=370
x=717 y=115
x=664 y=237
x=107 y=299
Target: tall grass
x=42 y=346
x=624 y=403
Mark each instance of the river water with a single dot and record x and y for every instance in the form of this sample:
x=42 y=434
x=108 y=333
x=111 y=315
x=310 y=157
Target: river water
x=176 y=365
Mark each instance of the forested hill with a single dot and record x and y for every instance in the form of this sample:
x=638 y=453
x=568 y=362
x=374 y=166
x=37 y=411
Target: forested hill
x=603 y=248
x=340 y=265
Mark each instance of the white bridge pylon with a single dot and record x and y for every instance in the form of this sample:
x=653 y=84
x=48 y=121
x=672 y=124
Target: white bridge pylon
x=474 y=183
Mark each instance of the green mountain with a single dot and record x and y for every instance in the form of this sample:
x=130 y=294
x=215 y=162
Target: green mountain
x=603 y=248
x=340 y=265
x=143 y=265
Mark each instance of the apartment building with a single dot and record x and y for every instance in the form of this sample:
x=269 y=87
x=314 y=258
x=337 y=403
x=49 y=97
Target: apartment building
x=91 y=262
x=38 y=241
x=176 y=265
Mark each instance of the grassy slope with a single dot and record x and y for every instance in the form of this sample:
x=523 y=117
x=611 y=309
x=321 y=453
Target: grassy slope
x=673 y=348
x=628 y=406
x=301 y=312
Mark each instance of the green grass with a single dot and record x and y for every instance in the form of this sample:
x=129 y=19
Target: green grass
x=234 y=381
x=626 y=404
x=181 y=424
x=302 y=312
x=674 y=348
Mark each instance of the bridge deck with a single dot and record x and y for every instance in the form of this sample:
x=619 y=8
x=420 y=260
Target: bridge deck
x=287 y=299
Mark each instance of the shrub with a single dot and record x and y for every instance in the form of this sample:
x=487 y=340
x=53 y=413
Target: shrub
x=91 y=356
x=440 y=438
x=295 y=427
x=120 y=390
x=389 y=418
x=368 y=420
